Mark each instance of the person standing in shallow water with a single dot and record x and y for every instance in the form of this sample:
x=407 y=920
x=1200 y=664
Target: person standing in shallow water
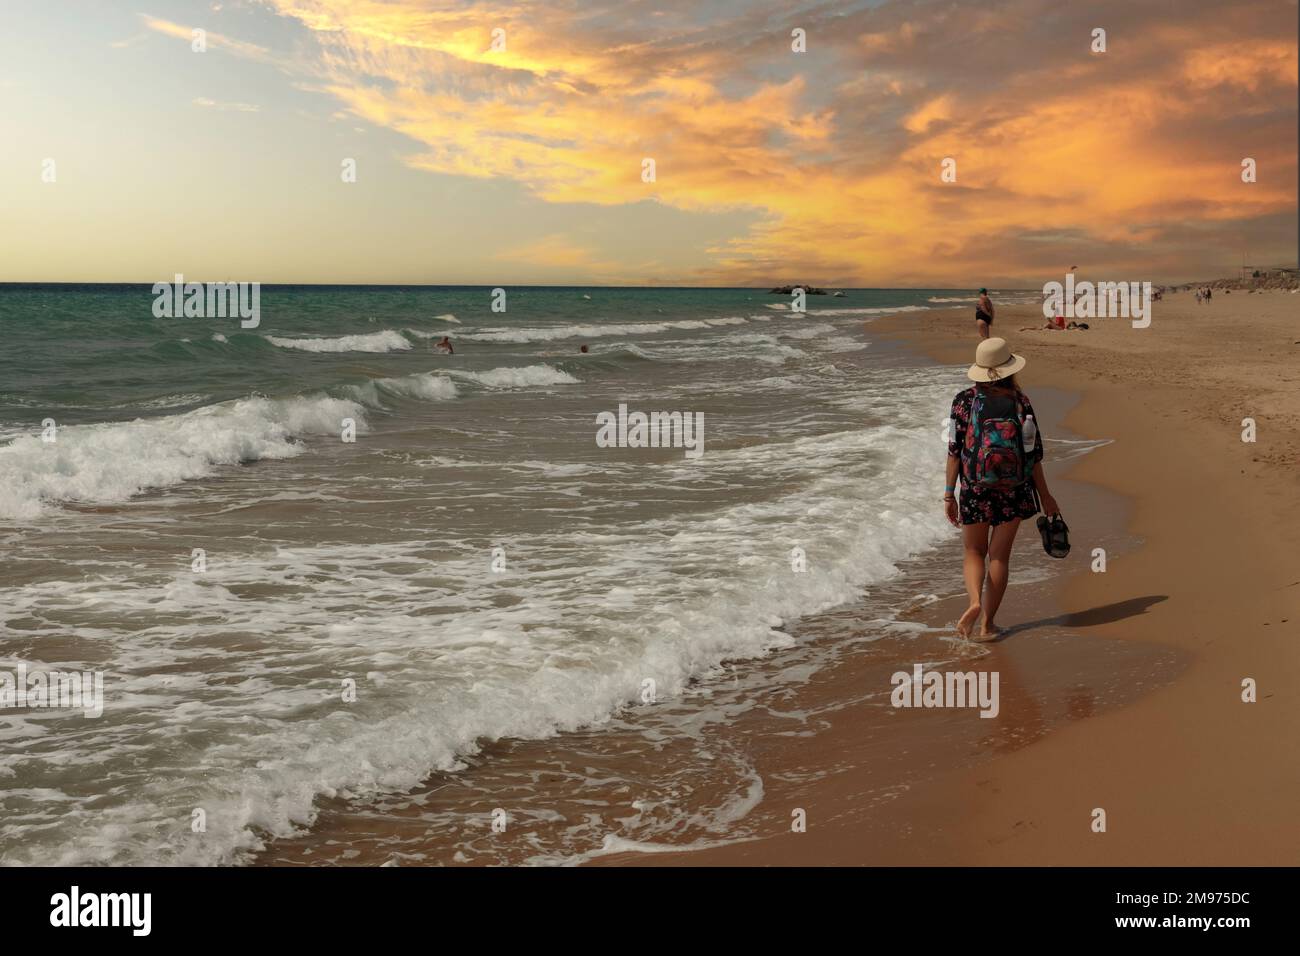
x=989 y=518
x=984 y=314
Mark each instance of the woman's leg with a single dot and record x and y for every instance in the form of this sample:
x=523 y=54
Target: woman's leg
x=982 y=328
x=975 y=538
x=1003 y=537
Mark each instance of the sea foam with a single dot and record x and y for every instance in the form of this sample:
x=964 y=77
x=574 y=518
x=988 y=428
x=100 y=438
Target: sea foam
x=459 y=666
x=427 y=386
x=388 y=340
x=524 y=336
x=112 y=461
x=528 y=375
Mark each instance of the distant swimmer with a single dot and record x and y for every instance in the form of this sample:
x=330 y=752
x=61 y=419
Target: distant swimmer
x=445 y=346
x=983 y=314
x=583 y=350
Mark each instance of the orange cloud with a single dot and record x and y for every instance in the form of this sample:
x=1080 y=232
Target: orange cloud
x=839 y=149
x=937 y=110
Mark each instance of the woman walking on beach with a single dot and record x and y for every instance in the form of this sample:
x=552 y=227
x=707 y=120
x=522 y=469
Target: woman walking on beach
x=997 y=450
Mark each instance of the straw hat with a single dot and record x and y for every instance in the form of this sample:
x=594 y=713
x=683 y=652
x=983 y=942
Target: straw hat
x=994 y=361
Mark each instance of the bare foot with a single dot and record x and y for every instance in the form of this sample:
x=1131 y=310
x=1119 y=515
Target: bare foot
x=989 y=631
x=967 y=620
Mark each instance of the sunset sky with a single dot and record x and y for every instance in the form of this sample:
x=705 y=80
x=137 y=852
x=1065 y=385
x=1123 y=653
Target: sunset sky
x=524 y=165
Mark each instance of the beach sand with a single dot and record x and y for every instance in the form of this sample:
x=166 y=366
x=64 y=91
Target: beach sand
x=1137 y=709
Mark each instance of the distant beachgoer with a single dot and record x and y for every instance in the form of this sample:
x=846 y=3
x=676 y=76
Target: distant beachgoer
x=445 y=346
x=995 y=434
x=1198 y=296
x=983 y=314
x=583 y=350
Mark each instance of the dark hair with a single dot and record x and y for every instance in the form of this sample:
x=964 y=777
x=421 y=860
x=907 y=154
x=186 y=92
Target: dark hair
x=1007 y=382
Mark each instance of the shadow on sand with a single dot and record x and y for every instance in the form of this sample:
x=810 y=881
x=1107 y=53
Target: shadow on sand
x=1105 y=614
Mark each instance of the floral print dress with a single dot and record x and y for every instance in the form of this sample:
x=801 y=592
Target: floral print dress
x=984 y=506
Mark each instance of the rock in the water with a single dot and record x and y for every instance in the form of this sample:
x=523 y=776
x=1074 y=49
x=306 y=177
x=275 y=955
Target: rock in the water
x=787 y=289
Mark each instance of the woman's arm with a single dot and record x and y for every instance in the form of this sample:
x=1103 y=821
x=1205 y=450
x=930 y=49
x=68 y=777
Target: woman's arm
x=950 y=497
x=1040 y=479
x=955 y=429
x=1045 y=496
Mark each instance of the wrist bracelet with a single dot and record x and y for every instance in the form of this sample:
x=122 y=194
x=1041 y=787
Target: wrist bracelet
x=949 y=489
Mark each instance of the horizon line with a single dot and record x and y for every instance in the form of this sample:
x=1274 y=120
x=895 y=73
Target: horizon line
x=11 y=283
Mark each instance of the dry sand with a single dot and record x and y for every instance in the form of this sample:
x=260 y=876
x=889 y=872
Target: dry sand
x=1186 y=772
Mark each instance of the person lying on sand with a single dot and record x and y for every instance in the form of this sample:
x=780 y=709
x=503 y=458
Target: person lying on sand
x=997 y=450
x=1054 y=325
